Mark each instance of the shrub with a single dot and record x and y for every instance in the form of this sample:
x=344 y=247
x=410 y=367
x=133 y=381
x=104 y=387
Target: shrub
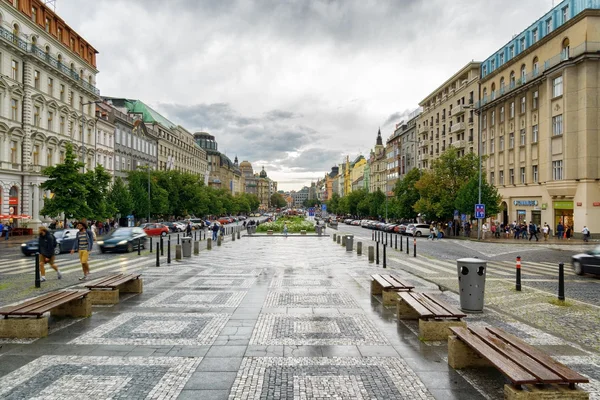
x=295 y=225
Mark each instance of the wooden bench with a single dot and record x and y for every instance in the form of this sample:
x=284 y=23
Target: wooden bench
x=18 y=321
x=435 y=316
x=387 y=286
x=533 y=374
x=106 y=290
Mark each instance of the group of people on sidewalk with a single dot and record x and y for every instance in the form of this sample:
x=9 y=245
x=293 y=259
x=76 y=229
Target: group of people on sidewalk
x=529 y=231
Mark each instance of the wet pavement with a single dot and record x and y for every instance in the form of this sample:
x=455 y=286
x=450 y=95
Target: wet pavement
x=260 y=318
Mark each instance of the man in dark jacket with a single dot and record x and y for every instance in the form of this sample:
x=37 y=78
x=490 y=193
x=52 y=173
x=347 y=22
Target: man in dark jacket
x=188 y=229
x=215 y=230
x=533 y=231
x=46 y=246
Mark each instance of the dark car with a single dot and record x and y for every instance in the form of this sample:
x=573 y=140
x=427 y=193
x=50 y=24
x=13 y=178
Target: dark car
x=123 y=239
x=587 y=263
x=64 y=242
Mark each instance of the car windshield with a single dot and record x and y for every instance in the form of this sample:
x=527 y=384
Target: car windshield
x=596 y=251
x=122 y=232
x=58 y=234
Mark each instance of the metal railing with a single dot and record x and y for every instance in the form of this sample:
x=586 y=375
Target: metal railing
x=460 y=126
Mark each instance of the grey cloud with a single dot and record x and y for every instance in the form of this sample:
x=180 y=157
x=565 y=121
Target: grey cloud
x=314 y=159
x=280 y=114
x=397 y=117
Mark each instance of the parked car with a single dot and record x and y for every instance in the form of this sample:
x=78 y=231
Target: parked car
x=400 y=228
x=123 y=239
x=418 y=230
x=587 y=263
x=155 y=229
x=64 y=242
x=173 y=227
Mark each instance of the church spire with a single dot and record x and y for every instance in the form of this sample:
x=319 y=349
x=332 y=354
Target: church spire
x=379 y=140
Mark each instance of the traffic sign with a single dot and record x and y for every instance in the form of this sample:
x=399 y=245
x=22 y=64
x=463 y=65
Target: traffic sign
x=323 y=207
x=479 y=211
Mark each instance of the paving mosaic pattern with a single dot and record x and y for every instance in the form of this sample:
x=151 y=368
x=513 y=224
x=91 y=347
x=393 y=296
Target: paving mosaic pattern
x=277 y=329
x=231 y=271
x=303 y=298
x=307 y=280
x=217 y=282
x=326 y=378
x=170 y=271
x=157 y=329
x=195 y=299
x=73 y=377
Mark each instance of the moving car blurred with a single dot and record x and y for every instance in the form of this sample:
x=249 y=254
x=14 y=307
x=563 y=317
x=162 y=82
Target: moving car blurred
x=123 y=239
x=64 y=242
x=587 y=263
x=155 y=229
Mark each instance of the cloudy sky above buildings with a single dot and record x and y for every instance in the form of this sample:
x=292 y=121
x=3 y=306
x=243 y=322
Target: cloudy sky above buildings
x=291 y=85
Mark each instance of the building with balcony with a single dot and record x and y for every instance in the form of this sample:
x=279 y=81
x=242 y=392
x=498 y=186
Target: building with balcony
x=223 y=173
x=448 y=117
x=47 y=78
x=300 y=197
x=105 y=141
x=540 y=118
x=329 y=178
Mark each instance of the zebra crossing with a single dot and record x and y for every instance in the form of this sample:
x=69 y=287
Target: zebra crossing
x=72 y=265
x=502 y=269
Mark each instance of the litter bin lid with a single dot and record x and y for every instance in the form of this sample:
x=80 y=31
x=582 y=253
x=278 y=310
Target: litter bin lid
x=470 y=261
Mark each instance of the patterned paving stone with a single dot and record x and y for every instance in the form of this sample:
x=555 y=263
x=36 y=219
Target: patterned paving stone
x=170 y=271
x=195 y=299
x=227 y=271
x=307 y=280
x=157 y=329
x=327 y=378
x=72 y=377
x=219 y=282
x=303 y=298
x=278 y=329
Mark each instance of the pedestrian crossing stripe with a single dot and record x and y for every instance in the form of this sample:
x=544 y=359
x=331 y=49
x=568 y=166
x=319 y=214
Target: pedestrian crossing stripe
x=75 y=265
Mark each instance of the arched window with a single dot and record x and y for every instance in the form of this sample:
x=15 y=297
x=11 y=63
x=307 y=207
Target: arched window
x=14 y=192
x=81 y=73
x=47 y=50
x=523 y=73
x=484 y=94
x=565 y=49
x=90 y=80
x=512 y=79
x=16 y=30
x=33 y=40
x=72 y=67
x=493 y=90
x=535 y=66
x=502 y=85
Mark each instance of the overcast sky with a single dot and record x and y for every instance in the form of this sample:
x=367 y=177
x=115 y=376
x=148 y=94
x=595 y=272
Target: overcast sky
x=291 y=85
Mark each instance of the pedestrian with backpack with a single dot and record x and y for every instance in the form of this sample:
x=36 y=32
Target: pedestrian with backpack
x=46 y=247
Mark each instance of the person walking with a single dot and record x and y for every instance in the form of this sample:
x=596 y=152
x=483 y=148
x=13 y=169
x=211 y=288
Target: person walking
x=436 y=232
x=285 y=229
x=484 y=229
x=533 y=231
x=84 y=241
x=430 y=232
x=568 y=232
x=188 y=229
x=6 y=231
x=215 y=231
x=46 y=246
x=586 y=234
x=546 y=231
x=493 y=229
x=560 y=230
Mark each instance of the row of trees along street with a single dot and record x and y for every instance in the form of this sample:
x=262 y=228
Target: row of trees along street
x=450 y=184
x=90 y=195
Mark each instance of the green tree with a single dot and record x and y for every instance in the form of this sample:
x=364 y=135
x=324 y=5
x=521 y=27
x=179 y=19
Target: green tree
x=277 y=200
x=69 y=188
x=333 y=203
x=468 y=196
x=97 y=182
x=354 y=199
x=407 y=195
x=119 y=198
x=377 y=203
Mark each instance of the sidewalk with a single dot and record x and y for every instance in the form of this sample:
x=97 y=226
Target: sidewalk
x=259 y=318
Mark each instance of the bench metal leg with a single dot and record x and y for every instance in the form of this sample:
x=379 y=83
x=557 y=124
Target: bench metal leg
x=22 y=328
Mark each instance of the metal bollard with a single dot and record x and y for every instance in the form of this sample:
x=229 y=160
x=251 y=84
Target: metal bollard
x=150 y=244
x=377 y=253
x=373 y=236
x=343 y=240
x=196 y=247
x=157 y=256
x=169 y=250
x=162 y=247
x=209 y=244
x=339 y=239
x=233 y=236
x=195 y=235
x=38 y=280
x=561 y=281
x=334 y=237
x=384 y=261
x=178 y=238
x=396 y=240
x=358 y=248
x=401 y=245
x=219 y=240
x=518 y=284
x=414 y=247
x=407 y=249
x=239 y=235
x=178 y=252
x=139 y=246
x=371 y=254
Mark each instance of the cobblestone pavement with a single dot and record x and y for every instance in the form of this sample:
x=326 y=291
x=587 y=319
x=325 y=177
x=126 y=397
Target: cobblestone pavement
x=276 y=318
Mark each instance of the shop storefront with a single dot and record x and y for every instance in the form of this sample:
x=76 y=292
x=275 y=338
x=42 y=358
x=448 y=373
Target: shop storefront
x=527 y=211
x=563 y=213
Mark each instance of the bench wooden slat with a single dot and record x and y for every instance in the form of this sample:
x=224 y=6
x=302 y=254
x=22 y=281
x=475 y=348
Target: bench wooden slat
x=439 y=308
x=562 y=370
x=517 y=356
x=415 y=304
x=397 y=283
x=43 y=304
x=113 y=281
x=384 y=283
x=515 y=373
x=447 y=307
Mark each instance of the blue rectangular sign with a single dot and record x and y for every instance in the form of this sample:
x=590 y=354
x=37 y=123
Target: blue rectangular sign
x=323 y=207
x=479 y=211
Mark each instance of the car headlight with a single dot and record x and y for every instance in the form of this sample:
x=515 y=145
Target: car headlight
x=122 y=242
x=100 y=242
x=24 y=245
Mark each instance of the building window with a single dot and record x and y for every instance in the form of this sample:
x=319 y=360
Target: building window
x=36 y=79
x=511 y=52
x=72 y=44
x=501 y=178
x=61 y=157
x=557 y=86
x=548 y=25
x=81 y=102
x=492 y=178
x=62 y=92
x=511 y=176
x=47 y=25
x=534 y=103
x=15 y=70
x=501 y=114
x=36 y=155
x=484 y=121
x=492 y=148
x=49 y=155
x=13 y=152
x=522 y=44
x=36 y=116
x=483 y=148
x=512 y=109
x=59 y=34
x=565 y=14
x=557 y=170
x=34 y=14
x=50 y=118
x=511 y=140
x=534 y=35
x=484 y=70
x=523 y=101
x=534 y=173
x=534 y=134
x=501 y=58
x=493 y=117
x=50 y=86
x=522 y=174
x=62 y=125
x=557 y=125
x=492 y=65
x=14 y=109
x=512 y=81
x=535 y=66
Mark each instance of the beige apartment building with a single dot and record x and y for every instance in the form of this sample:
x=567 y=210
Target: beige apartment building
x=448 y=117
x=378 y=167
x=540 y=117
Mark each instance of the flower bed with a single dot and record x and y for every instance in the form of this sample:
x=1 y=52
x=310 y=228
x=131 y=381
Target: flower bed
x=295 y=225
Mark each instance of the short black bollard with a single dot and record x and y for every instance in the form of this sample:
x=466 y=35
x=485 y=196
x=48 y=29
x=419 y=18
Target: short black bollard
x=561 y=282
x=139 y=246
x=373 y=235
x=414 y=247
x=178 y=238
x=38 y=280
x=518 y=285
x=384 y=261
x=169 y=250
x=162 y=247
x=396 y=239
x=157 y=256
x=401 y=245
x=377 y=253
x=195 y=236
x=407 y=249
x=150 y=244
